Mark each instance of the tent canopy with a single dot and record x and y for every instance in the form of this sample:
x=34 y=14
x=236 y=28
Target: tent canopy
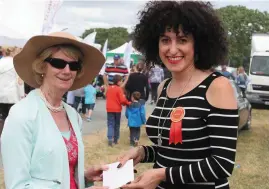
x=135 y=56
x=121 y=49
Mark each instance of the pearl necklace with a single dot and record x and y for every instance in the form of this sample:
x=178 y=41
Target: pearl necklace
x=49 y=106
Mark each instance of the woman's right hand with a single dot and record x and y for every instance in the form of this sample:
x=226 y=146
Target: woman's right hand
x=137 y=154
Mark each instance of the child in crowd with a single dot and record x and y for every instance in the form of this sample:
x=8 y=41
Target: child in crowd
x=90 y=97
x=115 y=98
x=135 y=114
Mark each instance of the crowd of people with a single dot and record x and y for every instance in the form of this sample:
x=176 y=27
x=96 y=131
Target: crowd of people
x=238 y=75
x=193 y=132
x=119 y=86
x=138 y=80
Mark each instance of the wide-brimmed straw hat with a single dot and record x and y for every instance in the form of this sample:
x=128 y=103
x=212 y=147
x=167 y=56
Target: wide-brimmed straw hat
x=92 y=59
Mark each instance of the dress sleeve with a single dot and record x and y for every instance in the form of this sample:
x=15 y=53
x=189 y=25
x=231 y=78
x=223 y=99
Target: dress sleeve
x=150 y=154
x=222 y=128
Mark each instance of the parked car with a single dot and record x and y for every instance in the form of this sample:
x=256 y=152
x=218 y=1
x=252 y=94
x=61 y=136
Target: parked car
x=244 y=108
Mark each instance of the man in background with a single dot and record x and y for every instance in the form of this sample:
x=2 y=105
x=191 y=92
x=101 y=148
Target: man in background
x=225 y=73
x=116 y=68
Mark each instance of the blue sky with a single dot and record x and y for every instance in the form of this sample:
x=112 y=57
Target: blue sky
x=80 y=15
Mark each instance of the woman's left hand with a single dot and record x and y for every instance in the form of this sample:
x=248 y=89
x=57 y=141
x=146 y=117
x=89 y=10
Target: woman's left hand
x=148 y=180
x=95 y=173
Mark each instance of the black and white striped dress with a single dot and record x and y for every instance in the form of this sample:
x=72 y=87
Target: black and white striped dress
x=206 y=157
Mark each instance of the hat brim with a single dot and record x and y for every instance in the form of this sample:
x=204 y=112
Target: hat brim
x=92 y=60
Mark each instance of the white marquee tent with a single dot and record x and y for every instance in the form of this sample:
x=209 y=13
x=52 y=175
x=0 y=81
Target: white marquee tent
x=120 y=50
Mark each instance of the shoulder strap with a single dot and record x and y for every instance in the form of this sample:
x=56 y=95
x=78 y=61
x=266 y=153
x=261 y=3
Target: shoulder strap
x=210 y=79
x=163 y=93
x=203 y=87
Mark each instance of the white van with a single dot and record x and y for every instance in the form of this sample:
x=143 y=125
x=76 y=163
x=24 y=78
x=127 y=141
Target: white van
x=258 y=87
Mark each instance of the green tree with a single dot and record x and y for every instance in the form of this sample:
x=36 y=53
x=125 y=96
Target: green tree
x=240 y=24
x=116 y=36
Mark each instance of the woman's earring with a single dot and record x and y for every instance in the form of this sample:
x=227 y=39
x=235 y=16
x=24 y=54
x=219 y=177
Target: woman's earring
x=42 y=75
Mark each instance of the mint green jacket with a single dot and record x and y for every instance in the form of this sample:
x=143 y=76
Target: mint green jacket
x=33 y=150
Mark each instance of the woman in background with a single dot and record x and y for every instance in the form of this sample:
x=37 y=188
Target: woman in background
x=138 y=81
x=242 y=80
x=156 y=76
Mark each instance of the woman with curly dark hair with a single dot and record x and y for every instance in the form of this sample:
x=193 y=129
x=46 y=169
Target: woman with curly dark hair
x=194 y=124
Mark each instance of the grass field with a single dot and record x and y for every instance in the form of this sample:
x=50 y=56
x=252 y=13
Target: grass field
x=252 y=161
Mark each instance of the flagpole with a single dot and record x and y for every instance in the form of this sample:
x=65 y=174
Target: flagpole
x=104 y=51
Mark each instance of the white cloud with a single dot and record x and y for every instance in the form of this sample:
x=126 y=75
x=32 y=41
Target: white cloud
x=85 y=14
x=81 y=15
x=78 y=29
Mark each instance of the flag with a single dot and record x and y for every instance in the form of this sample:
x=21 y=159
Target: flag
x=127 y=54
x=21 y=19
x=90 y=39
x=105 y=48
x=102 y=71
x=52 y=6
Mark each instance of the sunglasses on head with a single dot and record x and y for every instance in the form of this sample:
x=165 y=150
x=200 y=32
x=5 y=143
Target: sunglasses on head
x=61 y=64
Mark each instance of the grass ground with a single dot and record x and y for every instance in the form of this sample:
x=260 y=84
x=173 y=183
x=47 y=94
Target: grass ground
x=252 y=161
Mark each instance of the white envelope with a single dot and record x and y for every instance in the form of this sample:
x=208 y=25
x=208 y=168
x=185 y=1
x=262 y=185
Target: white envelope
x=116 y=177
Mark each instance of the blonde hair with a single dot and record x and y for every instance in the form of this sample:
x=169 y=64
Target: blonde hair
x=39 y=68
x=241 y=69
x=140 y=66
x=8 y=50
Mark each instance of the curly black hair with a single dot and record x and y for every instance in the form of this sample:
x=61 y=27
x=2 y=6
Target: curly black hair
x=194 y=17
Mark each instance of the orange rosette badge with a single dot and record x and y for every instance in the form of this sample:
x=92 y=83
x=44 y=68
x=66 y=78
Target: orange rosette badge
x=176 y=117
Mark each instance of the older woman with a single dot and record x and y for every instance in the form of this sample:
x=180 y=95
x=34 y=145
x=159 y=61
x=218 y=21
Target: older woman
x=194 y=124
x=41 y=142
